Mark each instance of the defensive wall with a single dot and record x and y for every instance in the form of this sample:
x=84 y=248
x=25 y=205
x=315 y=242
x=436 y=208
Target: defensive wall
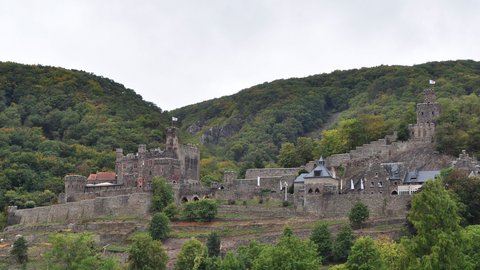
x=339 y=205
x=137 y=204
x=271 y=172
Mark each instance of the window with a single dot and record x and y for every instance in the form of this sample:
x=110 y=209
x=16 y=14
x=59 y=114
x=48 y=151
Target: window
x=310 y=191
x=372 y=184
x=317 y=173
x=376 y=174
x=317 y=190
x=380 y=184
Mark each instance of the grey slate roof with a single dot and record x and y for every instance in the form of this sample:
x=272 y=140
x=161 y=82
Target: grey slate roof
x=420 y=176
x=300 y=178
x=320 y=171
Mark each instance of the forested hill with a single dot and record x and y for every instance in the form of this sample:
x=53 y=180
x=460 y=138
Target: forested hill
x=251 y=126
x=55 y=121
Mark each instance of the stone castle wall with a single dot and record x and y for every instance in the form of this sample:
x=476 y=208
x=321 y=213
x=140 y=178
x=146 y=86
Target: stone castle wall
x=271 y=172
x=137 y=204
x=339 y=205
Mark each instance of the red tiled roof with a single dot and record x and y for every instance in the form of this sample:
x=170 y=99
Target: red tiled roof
x=102 y=176
x=92 y=177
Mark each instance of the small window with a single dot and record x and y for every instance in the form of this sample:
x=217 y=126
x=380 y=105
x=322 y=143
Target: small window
x=395 y=183
x=317 y=173
x=317 y=190
x=310 y=191
x=380 y=184
x=376 y=174
x=372 y=184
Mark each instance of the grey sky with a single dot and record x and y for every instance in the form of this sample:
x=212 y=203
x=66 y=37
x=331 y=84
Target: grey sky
x=176 y=53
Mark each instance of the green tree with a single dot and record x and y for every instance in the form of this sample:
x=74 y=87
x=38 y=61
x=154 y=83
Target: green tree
x=230 y=262
x=171 y=211
x=289 y=157
x=290 y=253
x=162 y=194
x=364 y=255
x=213 y=244
x=75 y=251
x=192 y=254
x=471 y=245
x=159 y=226
x=437 y=243
x=392 y=254
x=343 y=243
x=358 y=214
x=323 y=239
x=146 y=254
x=203 y=210
x=20 y=250
x=247 y=254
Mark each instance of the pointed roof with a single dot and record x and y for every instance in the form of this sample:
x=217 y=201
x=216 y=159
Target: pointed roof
x=320 y=170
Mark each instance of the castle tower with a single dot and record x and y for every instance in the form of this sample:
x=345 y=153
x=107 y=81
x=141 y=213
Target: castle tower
x=427 y=115
x=74 y=184
x=172 y=139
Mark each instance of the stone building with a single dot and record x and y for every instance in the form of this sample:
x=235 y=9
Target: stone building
x=178 y=163
x=427 y=114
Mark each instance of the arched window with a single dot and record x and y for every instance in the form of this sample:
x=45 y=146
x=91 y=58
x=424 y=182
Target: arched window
x=394 y=192
x=195 y=198
x=317 y=190
x=184 y=200
x=310 y=191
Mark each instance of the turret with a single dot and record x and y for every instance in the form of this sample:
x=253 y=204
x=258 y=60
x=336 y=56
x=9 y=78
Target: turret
x=74 y=184
x=172 y=139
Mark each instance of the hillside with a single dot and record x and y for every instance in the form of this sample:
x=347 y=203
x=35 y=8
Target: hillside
x=251 y=126
x=55 y=121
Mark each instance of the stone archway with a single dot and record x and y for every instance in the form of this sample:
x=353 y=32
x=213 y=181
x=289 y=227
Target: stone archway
x=394 y=192
x=195 y=198
x=184 y=200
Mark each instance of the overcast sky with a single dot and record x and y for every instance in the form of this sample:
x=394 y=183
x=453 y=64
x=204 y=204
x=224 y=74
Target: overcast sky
x=176 y=53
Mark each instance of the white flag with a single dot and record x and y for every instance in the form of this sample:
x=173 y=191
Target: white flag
x=174 y=119
x=432 y=82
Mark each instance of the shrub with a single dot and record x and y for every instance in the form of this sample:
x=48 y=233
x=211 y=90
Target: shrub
x=159 y=226
x=191 y=256
x=19 y=250
x=162 y=194
x=203 y=210
x=322 y=238
x=213 y=245
x=343 y=243
x=358 y=214
x=30 y=204
x=171 y=211
x=146 y=253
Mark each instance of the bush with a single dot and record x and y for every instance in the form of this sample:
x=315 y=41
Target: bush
x=159 y=226
x=358 y=214
x=19 y=250
x=146 y=253
x=213 y=245
x=30 y=204
x=203 y=210
x=171 y=211
x=343 y=243
x=322 y=238
x=192 y=254
x=162 y=194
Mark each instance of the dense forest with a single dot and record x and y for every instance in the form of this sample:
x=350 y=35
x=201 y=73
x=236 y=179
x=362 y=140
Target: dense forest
x=55 y=121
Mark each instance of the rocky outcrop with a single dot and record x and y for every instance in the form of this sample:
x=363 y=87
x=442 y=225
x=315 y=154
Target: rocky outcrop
x=214 y=134
x=195 y=127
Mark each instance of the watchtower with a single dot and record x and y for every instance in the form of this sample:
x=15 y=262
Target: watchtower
x=427 y=115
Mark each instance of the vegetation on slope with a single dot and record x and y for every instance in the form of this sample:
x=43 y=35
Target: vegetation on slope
x=251 y=126
x=55 y=121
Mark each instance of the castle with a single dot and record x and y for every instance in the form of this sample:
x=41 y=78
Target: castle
x=178 y=163
x=382 y=174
